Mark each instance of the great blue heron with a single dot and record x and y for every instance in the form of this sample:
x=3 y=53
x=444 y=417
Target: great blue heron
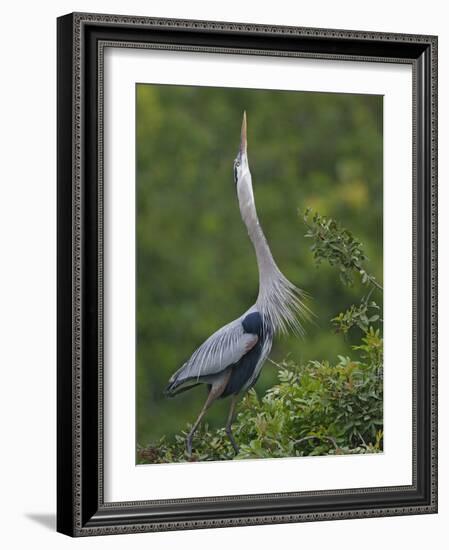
x=229 y=362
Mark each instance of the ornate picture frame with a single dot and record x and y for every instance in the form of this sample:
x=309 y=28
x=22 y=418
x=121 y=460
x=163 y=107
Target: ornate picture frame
x=81 y=506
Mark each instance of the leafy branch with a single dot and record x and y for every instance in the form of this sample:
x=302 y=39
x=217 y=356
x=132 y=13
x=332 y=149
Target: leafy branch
x=315 y=408
x=336 y=245
x=361 y=315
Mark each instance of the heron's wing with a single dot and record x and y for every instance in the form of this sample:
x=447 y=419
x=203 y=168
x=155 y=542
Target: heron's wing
x=224 y=348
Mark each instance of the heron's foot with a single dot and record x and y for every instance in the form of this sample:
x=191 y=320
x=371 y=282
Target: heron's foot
x=232 y=440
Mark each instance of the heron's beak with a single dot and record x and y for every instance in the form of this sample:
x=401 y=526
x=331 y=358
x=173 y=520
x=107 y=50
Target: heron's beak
x=243 y=135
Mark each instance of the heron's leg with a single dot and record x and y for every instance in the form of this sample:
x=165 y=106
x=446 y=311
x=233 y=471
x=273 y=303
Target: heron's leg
x=216 y=390
x=231 y=417
x=210 y=399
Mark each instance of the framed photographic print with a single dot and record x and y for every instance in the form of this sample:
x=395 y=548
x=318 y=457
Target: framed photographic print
x=246 y=274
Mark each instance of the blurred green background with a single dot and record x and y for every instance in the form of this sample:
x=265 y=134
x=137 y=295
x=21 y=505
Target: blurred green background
x=196 y=268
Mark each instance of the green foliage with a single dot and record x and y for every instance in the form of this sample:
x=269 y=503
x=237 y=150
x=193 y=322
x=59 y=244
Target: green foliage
x=316 y=408
x=338 y=246
x=357 y=315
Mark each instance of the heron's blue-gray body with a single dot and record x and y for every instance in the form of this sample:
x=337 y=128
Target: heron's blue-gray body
x=244 y=372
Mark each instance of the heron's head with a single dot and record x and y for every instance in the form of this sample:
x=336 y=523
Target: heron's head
x=242 y=175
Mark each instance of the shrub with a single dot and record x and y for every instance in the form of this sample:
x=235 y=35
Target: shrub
x=316 y=408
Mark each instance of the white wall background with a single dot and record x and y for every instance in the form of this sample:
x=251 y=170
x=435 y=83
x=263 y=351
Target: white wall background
x=28 y=283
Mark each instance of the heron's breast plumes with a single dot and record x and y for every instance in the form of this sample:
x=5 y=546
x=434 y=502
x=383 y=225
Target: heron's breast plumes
x=282 y=303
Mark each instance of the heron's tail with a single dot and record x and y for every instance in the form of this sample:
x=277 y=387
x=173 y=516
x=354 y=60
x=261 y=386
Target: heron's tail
x=175 y=382
x=171 y=392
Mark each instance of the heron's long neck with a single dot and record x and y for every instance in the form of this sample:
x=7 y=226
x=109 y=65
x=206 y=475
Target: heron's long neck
x=265 y=262
x=280 y=301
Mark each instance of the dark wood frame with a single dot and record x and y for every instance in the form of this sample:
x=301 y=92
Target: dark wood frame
x=81 y=509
